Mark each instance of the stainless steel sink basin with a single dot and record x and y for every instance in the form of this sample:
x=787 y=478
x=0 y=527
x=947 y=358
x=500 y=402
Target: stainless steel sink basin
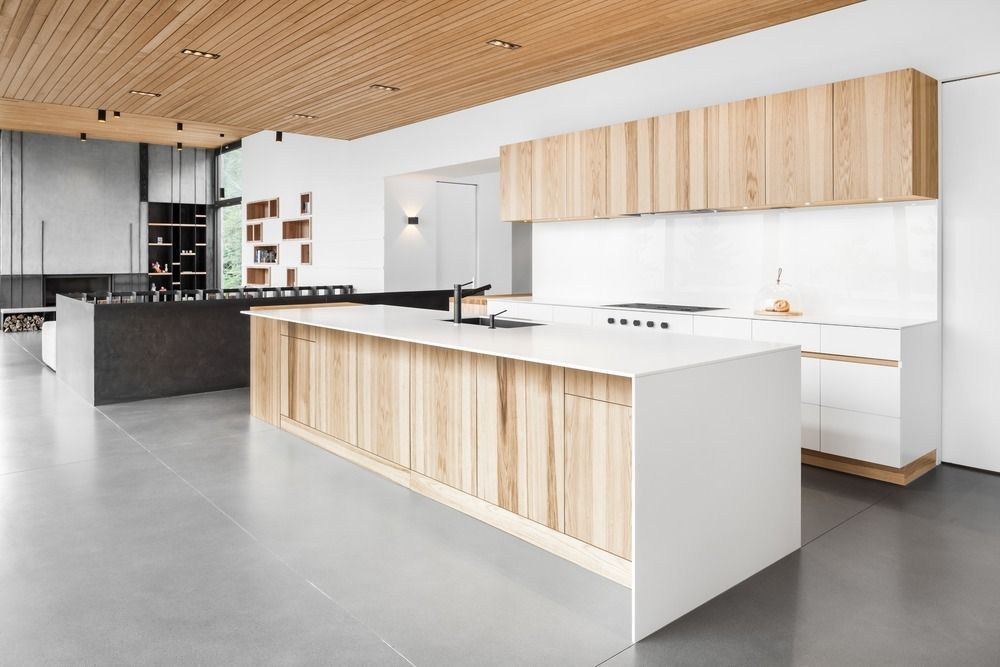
x=500 y=324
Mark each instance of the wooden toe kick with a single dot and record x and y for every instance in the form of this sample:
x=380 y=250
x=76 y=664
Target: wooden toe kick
x=901 y=476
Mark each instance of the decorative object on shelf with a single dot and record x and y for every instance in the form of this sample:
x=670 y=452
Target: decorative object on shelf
x=778 y=299
x=305 y=203
x=159 y=239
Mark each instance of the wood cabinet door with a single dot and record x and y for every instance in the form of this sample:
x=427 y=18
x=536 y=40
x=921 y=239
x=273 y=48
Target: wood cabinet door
x=800 y=147
x=519 y=443
x=515 y=182
x=265 y=370
x=630 y=167
x=337 y=384
x=383 y=379
x=586 y=177
x=599 y=474
x=298 y=380
x=735 y=157
x=885 y=137
x=443 y=415
x=548 y=178
x=679 y=148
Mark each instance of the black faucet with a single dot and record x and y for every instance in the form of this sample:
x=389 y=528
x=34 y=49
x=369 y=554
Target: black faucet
x=493 y=319
x=458 y=301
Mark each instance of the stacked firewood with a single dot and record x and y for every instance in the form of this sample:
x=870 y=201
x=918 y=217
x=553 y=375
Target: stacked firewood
x=22 y=322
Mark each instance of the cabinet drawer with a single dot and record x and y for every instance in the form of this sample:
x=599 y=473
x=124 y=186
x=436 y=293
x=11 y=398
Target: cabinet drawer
x=722 y=327
x=571 y=315
x=860 y=342
x=810 y=427
x=810 y=381
x=794 y=333
x=856 y=435
x=860 y=387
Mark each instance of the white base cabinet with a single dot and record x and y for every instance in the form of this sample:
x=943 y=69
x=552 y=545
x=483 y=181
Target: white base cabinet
x=868 y=393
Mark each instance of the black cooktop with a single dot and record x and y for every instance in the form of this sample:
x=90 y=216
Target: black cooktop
x=662 y=306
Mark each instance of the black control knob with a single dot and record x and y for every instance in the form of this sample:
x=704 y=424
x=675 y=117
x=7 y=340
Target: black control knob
x=611 y=320
x=649 y=323
x=636 y=323
x=664 y=325
x=623 y=321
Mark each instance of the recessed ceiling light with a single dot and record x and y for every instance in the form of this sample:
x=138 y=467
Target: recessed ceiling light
x=144 y=93
x=303 y=115
x=200 y=54
x=510 y=46
x=380 y=86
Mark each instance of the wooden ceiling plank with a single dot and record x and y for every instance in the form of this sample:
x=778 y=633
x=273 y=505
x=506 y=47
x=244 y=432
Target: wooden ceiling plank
x=27 y=24
x=41 y=51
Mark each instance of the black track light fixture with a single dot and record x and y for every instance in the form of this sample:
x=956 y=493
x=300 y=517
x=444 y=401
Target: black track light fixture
x=102 y=116
x=180 y=127
x=180 y=146
x=83 y=137
x=116 y=114
x=278 y=136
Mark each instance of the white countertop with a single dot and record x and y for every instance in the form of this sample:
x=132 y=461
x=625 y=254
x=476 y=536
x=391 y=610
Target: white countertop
x=872 y=321
x=627 y=353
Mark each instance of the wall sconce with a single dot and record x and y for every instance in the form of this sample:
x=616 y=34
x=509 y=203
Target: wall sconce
x=412 y=221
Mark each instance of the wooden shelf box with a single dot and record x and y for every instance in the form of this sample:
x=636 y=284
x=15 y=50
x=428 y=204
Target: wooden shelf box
x=255 y=232
x=259 y=210
x=259 y=276
x=296 y=229
x=266 y=254
x=306 y=253
x=305 y=203
x=291 y=277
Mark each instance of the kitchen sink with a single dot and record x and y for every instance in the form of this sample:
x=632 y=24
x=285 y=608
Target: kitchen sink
x=500 y=324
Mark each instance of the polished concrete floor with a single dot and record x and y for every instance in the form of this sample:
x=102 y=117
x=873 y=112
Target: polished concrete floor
x=181 y=531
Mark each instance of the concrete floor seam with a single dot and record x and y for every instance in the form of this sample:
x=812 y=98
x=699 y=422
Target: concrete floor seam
x=253 y=537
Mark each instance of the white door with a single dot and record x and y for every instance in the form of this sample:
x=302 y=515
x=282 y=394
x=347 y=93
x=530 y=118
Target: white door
x=971 y=272
x=456 y=234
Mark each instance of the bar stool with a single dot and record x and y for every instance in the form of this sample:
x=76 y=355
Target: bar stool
x=289 y=291
x=307 y=291
x=268 y=291
x=190 y=294
x=169 y=295
x=250 y=292
x=120 y=297
x=211 y=294
x=232 y=293
x=144 y=296
x=103 y=297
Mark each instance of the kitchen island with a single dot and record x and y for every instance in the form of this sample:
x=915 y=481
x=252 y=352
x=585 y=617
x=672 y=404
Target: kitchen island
x=667 y=463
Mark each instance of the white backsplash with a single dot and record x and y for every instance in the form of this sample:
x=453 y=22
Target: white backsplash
x=845 y=260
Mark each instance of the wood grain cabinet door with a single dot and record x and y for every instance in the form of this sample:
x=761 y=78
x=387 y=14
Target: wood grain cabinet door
x=679 y=152
x=735 y=158
x=885 y=137
x=519 y=438
x=586 y=174
x=265 y=370
x=443 y=415
x=337 y=384
x=599 y=474
x=630 y=167
x=515 y=182
x=384 y=398
x=548 y=178
x=800 y=147
x=298 y=380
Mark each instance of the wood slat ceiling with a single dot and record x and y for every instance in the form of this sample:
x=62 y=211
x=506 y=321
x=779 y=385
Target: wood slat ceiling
x=320 y=57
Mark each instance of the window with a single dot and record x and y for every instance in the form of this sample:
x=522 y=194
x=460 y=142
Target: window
x=230 y=206
x=231 y=172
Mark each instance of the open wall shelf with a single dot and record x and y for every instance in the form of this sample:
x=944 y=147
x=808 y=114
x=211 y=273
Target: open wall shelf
x=305 y=203
x=177 y=246
x=296 y=229
x=259 y=210
x=305 y=253
x=255 y=232
x=258 y=276
x=292 y=277
x=266 y=254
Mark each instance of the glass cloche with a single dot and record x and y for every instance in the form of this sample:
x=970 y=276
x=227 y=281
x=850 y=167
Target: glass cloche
x=778 y=299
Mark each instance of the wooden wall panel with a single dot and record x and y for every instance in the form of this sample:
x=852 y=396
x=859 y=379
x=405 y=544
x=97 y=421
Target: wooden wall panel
x=611 y=388
x=735 y=157
x=265 y=370
x=515 y=183
x=443 y=415
x=586 y=178
x=679 y=161
x=337 y=384
x=383 y=378
x=799 y=150
x=599 y=474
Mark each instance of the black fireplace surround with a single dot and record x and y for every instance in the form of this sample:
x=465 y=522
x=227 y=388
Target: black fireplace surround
x=74 y=284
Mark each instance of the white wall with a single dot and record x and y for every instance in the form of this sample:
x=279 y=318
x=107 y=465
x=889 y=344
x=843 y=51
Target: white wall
x=971 y=317
x=943 y=39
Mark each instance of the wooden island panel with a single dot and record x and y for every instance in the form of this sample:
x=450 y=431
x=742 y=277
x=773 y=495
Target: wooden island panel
x=337 y=384
x=298 y=380
x=383 y=372
x=443 y=415
x=265 y=370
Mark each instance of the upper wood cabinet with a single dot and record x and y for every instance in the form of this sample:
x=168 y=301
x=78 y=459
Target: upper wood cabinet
x=630 y=167
x=864 y=140
x=799 y=149
x=885 y=137
x=515 y=182
x=679 y=151
x=735 y=157
x=586 y=174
